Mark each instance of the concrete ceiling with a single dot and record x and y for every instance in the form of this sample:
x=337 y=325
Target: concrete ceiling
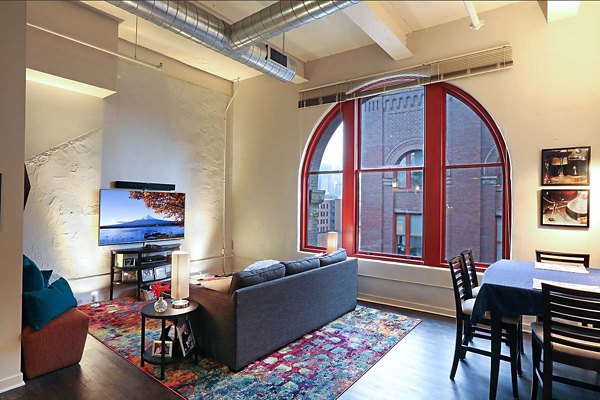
x=334 y=34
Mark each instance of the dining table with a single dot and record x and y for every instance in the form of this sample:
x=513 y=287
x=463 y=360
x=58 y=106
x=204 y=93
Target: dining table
x=507 y=290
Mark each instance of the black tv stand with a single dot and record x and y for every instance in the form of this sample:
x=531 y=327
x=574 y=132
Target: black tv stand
x=136 y=266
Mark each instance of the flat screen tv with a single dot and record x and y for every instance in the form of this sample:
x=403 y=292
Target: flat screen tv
x=134 y=216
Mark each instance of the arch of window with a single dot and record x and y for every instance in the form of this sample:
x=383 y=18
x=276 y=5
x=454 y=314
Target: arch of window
x=449 y=189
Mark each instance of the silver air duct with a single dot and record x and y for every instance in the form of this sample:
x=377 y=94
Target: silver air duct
x=192 y=22
x=281 y=17
x=200 y=26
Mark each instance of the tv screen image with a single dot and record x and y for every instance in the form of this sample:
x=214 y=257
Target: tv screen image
x=133 y=216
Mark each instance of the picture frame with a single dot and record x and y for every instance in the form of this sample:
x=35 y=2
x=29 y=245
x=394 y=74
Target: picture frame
x=157 y=348
x=565 y=208
x=129 y=262
x=160 y=273
x=186 y=337
x=129 y=276
x=147 y=275
x=566 y=166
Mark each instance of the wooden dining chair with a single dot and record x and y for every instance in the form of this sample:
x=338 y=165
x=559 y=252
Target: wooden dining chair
x=465 y=331
x=566 y=336
x=469 y=262
x=564 y=258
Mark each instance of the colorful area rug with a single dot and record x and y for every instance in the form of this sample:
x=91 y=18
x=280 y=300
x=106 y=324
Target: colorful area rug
x=320 y=365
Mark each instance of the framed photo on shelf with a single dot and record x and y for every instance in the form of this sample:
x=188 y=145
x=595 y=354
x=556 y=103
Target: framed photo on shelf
x=566 y=166
x=129 y=262
x=565 y=207
x=129 y=276
x=186 y=337
x=147 y=275
x=160 y=273
x=157 y=348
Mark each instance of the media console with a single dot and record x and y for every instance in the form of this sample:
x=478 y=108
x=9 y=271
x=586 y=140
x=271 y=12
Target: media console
x=141 y=266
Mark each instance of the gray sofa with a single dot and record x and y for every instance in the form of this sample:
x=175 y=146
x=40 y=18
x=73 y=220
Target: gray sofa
x=239 y=327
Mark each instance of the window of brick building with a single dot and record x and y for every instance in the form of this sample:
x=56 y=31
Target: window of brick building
x=425 y=174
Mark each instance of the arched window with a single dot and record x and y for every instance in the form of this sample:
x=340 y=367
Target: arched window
x=415 y=175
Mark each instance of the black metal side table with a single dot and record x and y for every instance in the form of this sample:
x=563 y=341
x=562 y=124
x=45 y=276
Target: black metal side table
x=173 y=315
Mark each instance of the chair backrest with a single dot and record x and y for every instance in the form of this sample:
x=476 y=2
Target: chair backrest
x=569 y=319
x=460 y=283
x=563 y=258
x=469 y=262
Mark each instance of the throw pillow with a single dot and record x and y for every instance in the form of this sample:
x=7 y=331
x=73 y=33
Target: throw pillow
x=217 y=284
x=333 y=257
x=32 y=276
x=244 y=278
x=297 y=266
x=47 y=273
x=260 y=265
x=42 y=306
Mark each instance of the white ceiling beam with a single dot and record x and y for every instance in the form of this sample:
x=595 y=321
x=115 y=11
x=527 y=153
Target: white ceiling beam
x=557 y=10
x=381 y=22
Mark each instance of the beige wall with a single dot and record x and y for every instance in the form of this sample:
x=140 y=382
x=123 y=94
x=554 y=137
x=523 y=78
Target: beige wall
x=548 y=99
x=12 y=144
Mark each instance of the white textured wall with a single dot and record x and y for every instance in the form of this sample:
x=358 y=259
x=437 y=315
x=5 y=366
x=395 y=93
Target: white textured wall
x=548 y=99
x=155 y=129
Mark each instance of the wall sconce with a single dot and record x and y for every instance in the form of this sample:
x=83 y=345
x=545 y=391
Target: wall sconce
x=180 y=279
x=332 y=241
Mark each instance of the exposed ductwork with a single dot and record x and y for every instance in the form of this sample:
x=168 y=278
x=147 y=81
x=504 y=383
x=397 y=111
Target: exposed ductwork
x=281 y=17
x=194 y=23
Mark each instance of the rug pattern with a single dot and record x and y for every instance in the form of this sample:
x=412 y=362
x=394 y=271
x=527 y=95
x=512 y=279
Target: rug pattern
x=320 y=365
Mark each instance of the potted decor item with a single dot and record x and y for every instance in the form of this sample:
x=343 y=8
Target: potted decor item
x=159 y=289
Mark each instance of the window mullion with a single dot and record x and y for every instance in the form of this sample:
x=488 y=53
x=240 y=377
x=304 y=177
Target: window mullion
x=349 y=176
x=434 y=167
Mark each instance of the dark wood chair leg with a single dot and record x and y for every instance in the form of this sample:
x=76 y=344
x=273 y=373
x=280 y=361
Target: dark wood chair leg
x=547 y=381
x=536 y=355
x=514 y=352
x=457 y=348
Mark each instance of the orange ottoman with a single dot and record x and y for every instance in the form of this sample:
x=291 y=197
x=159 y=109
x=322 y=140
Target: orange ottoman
x=57 y=345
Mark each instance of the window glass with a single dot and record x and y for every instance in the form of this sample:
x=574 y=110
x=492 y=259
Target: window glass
x=329 y=152
x=391 y=125
x=473 y=202
x=324 y=208
x=468 y=140
x=383 y=225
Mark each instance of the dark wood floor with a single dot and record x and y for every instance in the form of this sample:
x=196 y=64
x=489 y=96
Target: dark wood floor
x=416 y=368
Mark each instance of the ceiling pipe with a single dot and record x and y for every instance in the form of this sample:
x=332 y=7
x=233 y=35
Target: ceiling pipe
x=281 y=17
x=194 y=23
x=241 y=41
x=476 y=23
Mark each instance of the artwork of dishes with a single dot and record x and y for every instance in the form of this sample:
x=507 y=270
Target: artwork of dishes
x=565 y=207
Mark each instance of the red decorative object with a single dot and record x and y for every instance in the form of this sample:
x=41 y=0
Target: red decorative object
x=159 y=288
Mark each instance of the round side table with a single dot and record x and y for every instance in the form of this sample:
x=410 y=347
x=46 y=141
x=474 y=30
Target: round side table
x=171 y=314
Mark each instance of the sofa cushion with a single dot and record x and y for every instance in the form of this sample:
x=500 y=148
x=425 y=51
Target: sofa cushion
x=47 y=273
x=32 y=276
x=245 y=278
x=42 y=306
x=304 y=264
x=217 y=284
x=333 y=257
x=260 y=265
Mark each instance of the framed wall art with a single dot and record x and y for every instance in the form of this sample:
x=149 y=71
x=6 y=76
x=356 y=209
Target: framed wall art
x=565 y=207
x=566 y=166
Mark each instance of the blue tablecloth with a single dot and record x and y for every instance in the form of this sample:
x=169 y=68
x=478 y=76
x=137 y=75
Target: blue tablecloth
x=507 y=288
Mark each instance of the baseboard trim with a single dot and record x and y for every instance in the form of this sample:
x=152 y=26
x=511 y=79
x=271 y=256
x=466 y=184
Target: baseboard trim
x=12 y=382
x=407 y=304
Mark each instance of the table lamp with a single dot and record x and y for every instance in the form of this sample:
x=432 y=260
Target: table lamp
x=332 y=241
x=180 y=279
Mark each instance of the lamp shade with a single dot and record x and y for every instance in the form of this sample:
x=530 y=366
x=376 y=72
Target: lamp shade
x=332 y=241
x=180 y=275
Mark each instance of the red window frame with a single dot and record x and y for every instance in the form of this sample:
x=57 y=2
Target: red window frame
x=434 y=175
